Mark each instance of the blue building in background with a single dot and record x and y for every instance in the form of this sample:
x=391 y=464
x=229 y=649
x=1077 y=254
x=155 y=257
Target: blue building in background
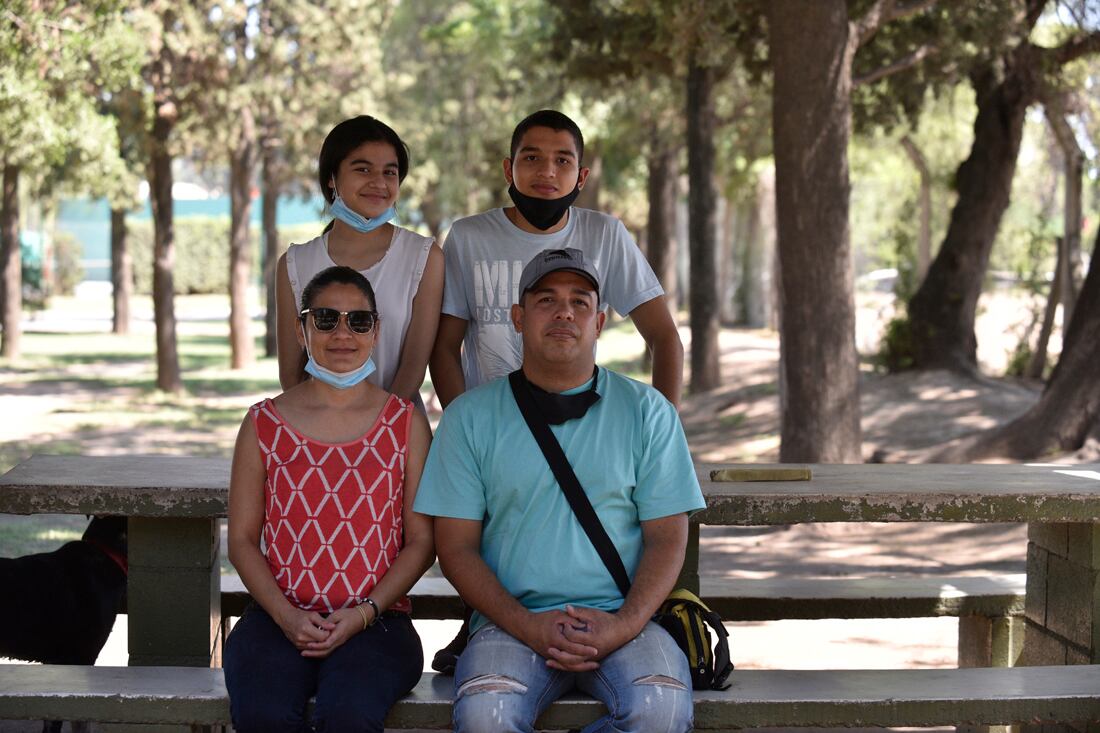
x=89 y=221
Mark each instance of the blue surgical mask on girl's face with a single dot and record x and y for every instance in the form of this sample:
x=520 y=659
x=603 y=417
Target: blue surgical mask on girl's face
x=339 y=380
x=357 y=221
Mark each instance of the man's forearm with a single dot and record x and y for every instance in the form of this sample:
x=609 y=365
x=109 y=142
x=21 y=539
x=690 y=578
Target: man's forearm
x=658 y=569
x=479 y=588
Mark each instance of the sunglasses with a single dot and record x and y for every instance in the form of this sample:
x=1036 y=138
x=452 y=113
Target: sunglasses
x=326 y=319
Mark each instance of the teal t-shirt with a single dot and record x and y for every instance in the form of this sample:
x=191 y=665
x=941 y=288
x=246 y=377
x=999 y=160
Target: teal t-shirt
x=629 y=453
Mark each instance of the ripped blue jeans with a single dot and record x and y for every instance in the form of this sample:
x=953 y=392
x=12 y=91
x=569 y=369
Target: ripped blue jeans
x=502 y=685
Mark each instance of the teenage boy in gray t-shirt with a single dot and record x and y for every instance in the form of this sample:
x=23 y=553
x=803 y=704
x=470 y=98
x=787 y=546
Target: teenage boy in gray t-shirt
x=485 y=254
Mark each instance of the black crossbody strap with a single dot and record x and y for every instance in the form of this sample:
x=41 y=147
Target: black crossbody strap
x=567 y=480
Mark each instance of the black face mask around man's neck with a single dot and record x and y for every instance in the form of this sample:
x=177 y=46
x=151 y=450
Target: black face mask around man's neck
x=542 y=213
x=557 y=407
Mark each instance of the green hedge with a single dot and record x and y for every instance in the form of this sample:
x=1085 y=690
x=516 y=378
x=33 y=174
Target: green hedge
x=202 y=252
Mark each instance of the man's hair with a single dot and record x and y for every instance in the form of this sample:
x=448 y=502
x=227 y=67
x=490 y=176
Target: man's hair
x=553 y=119
x=346 y=137
x=337 y=275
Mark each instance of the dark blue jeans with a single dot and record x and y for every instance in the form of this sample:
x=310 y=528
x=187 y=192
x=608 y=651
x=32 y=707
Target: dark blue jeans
x=270 y=682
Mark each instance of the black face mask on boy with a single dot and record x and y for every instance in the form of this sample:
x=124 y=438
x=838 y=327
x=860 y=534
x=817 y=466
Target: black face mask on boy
x=542 y=213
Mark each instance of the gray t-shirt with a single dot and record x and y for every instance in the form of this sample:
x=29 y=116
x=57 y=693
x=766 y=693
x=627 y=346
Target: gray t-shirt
x=485 y=255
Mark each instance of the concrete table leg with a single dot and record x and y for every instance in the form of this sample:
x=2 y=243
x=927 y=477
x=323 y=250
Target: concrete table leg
x=174 y=592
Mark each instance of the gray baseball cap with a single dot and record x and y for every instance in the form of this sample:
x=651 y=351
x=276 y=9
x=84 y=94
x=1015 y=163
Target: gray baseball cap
x=552 y=260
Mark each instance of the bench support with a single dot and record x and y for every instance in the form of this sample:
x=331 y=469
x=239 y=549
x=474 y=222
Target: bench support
x=174 y=592
x=990 y=642
x=1062 y=609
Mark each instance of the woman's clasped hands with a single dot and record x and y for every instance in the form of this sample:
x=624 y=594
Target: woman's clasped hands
x=316 y=636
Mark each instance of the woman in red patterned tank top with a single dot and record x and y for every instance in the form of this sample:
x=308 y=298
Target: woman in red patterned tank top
x=322 y=531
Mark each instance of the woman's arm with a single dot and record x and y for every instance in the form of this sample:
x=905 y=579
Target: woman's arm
x=291 y=355
x=246 y=519
x=423 y=322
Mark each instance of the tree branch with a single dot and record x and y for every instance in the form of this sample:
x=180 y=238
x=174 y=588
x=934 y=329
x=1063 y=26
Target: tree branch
x=1075 y=48
x=883 y=12
x=905 y=62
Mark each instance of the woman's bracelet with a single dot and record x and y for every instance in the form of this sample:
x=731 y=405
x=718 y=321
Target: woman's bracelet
x=363 y=612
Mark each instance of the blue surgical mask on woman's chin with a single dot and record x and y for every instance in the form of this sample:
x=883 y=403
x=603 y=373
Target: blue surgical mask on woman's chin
x=357 y=221
x=339 y=380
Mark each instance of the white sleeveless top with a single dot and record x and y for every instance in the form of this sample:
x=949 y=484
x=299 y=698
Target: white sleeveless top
x=395 y=279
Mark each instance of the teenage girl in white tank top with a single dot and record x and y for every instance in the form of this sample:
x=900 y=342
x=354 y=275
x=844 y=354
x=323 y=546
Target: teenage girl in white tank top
x=360 y=170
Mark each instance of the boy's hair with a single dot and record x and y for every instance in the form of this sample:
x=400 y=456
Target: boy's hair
x=337 y=274
x=346 y=137
x=555 y=121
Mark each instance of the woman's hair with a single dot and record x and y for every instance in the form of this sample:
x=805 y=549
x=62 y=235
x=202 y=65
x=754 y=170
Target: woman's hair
x=349 y=135
x=337 y=275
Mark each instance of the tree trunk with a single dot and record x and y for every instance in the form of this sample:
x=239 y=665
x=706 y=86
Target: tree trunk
x=924 y=240
x=242 y=163
x=702 y=228
x=1069 y=406
x=122 y=273
x=942 y=310
x=589 y=197
x=731 y=213
x=271 y=246
x=1069 y=251
x=432 y=212
x=755 y=296
x=164 y=255
x=11 y=264
x=1038 y=362
x=811 y=53
x=660 y=221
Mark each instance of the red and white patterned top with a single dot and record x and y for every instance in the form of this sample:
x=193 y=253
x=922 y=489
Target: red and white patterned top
x=333 y=511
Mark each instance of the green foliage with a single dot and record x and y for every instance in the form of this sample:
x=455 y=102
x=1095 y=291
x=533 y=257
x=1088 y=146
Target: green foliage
x=459 y=76
x=1019 y=359
x=202 y=255
x=896 y=351
x=67 y=272
x=955 y=37
x=55 y=59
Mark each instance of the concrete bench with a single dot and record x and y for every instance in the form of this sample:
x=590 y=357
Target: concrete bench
x=989 y=608
x=757 y=698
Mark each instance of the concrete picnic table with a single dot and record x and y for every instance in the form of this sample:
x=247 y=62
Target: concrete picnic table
x=174 y=503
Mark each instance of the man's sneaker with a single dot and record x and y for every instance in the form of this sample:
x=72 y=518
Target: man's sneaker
x=446 y=658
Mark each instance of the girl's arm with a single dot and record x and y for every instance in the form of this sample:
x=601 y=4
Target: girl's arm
x=291 y=355
x=420 y=336
x=246 y=519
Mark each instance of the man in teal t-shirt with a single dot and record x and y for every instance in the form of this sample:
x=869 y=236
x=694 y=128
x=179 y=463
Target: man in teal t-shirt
x=549 y=617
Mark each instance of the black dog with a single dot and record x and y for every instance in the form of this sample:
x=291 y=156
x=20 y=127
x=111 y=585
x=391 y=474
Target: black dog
x=61 y=605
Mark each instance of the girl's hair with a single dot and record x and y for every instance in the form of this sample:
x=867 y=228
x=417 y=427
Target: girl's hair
x=337 y=275
x=349 y=135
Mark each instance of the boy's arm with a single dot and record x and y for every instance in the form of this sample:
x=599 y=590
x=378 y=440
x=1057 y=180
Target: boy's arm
x=654 y=322
x=446 y=360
